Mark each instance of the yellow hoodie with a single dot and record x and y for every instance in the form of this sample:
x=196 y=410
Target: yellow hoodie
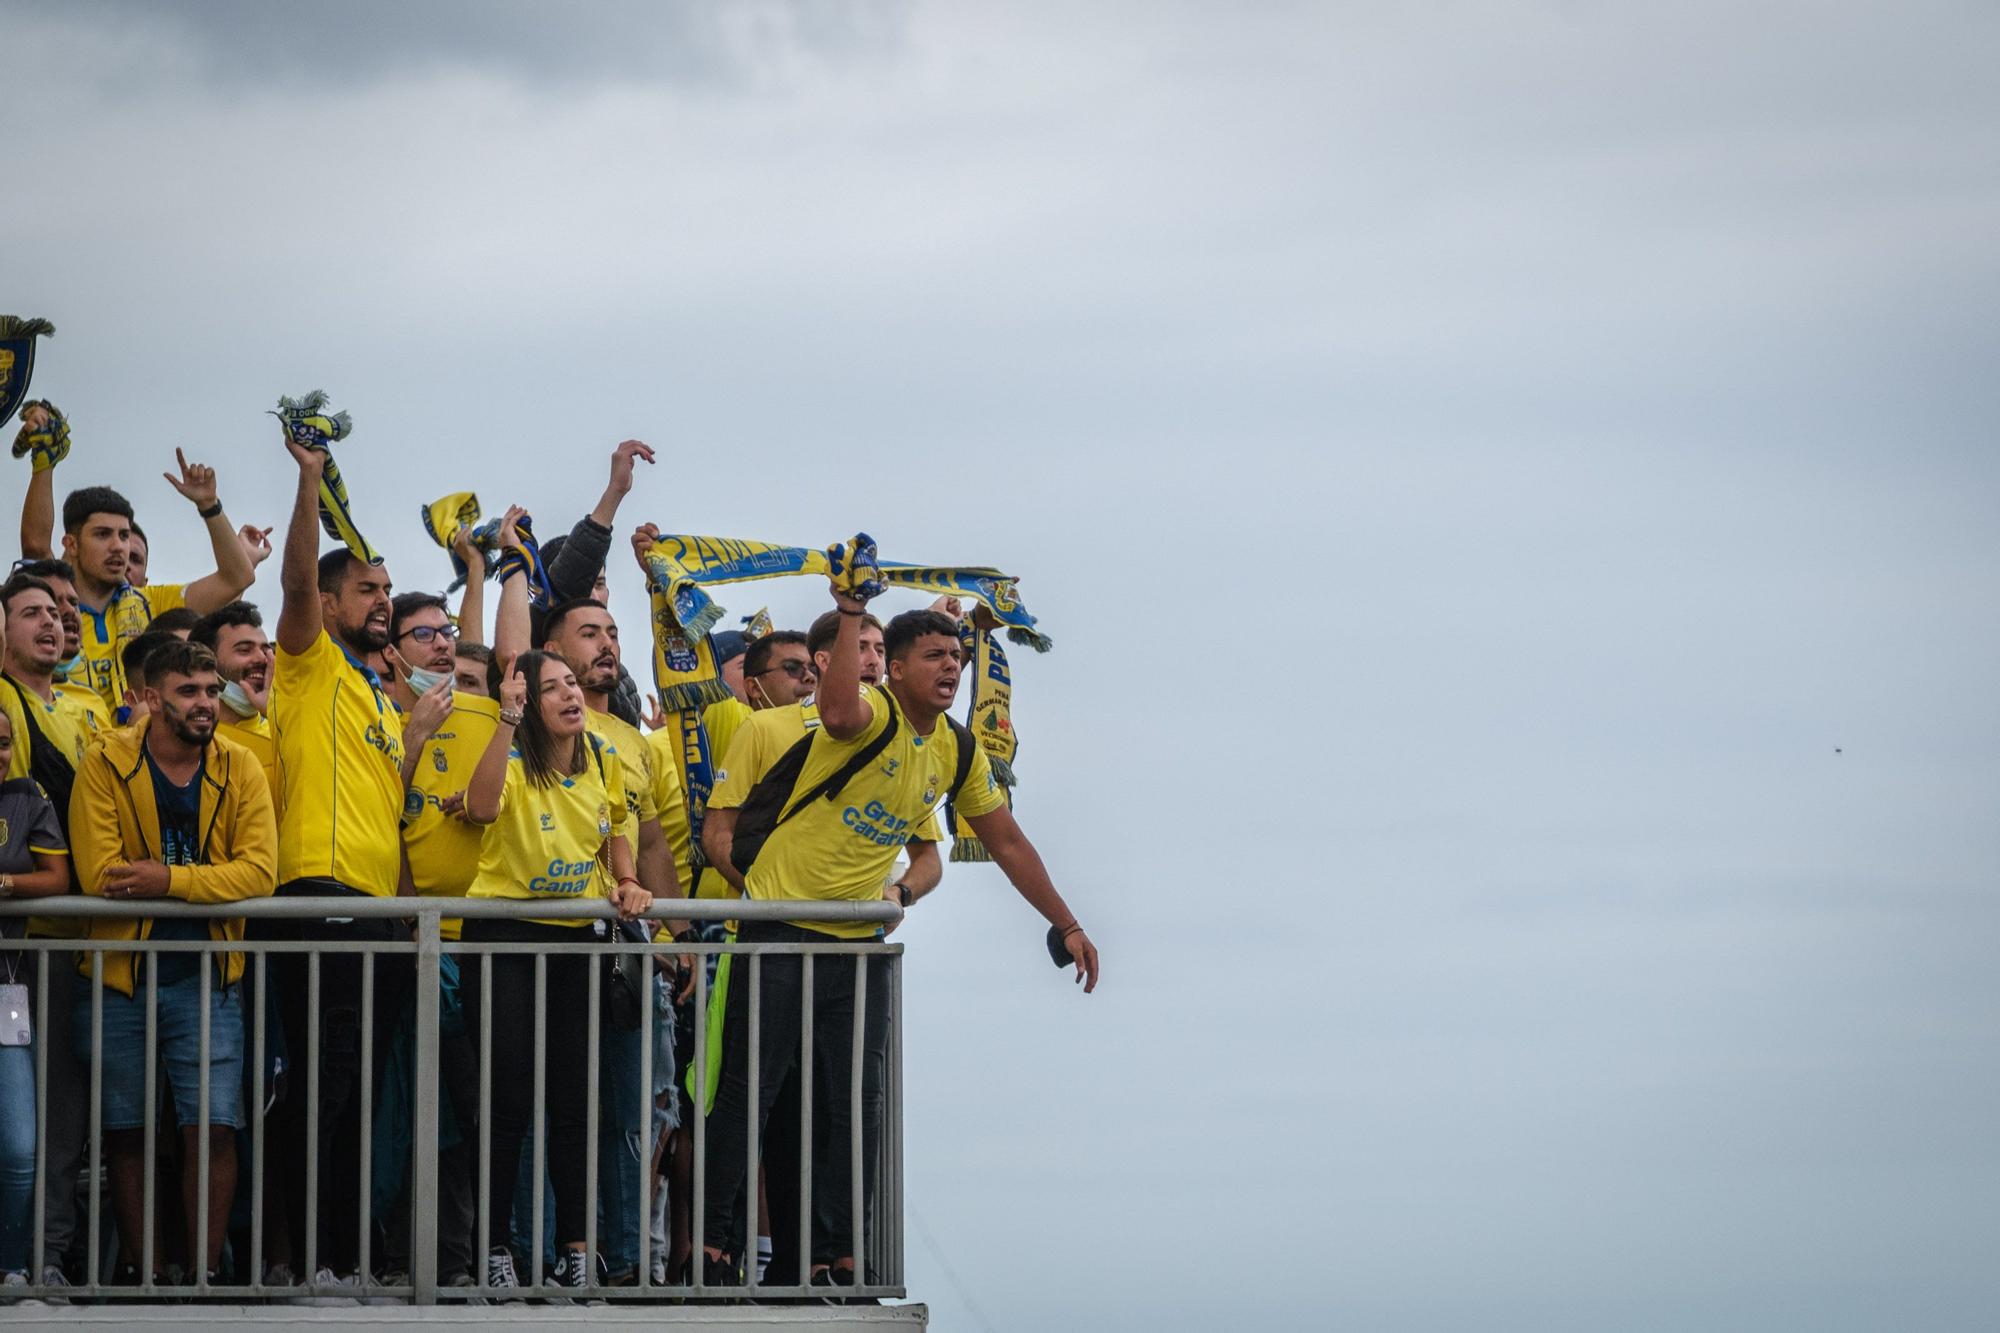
x=114 y=820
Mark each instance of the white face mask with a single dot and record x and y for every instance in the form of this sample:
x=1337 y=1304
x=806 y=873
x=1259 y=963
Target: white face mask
x=64 y=668
x=238 y=700
x=423 y=682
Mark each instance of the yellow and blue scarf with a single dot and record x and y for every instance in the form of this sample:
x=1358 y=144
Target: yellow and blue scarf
x=47 y=437
x=444 y=519
x=527 y=557
x=990 y=719
x=310 y=427
x=684 y=567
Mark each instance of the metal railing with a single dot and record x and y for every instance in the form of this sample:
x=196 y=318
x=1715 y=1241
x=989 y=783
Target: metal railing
x=877 y=1239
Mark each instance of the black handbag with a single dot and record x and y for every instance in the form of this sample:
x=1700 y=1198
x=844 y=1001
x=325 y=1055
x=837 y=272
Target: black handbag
x=625 y=979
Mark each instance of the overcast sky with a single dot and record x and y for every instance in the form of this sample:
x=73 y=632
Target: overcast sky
x=1513 y=488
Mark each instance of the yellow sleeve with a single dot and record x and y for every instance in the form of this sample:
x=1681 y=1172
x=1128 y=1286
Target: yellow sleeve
x=95 y=841
x=616 y=793
x=164 y=596
x=740 y=769
x=982 y=793
x=10 y=703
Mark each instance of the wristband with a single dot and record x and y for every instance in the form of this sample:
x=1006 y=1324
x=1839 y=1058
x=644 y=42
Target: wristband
x=629 y=880
x=210 y=512
x=510 y=718
x=845 y=612
x=902 y=894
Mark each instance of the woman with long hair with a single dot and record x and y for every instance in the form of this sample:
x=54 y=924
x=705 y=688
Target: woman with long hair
x=552 y=799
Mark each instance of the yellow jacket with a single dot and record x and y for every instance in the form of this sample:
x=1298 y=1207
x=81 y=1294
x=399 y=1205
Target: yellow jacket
x=114 y=820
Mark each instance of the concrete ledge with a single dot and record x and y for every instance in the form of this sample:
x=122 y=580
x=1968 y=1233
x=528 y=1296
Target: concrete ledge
x=193 y=1318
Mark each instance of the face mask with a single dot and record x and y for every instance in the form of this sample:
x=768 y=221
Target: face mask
x=238 y=700
x=423 y=682
x=64 y=668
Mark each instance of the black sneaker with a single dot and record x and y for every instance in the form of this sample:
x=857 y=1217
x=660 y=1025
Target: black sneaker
x=720 y=1272
x=577 y=1271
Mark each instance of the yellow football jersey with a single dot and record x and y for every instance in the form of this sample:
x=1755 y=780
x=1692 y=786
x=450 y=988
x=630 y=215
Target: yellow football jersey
x=256 y=735
x=340 y=751
x=444 y=849
x=546 y=842
x=842 y=849
x=106 y=632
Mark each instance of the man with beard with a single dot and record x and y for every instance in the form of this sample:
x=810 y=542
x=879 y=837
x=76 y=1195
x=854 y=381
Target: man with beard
x=50 y=737
x=235 y=635
x=584 y=634
x=166 y=808
x=340 y=749
x=62 y=582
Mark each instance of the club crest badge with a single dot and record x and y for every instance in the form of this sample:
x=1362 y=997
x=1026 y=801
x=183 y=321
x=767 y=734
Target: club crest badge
x=17 y=359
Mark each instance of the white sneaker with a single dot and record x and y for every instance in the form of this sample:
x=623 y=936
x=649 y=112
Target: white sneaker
x=329 y=1289
x=52 y=1276
x=9 y=1296
x=500 y=1273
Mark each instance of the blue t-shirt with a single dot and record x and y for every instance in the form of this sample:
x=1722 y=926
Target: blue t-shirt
x=180 y=845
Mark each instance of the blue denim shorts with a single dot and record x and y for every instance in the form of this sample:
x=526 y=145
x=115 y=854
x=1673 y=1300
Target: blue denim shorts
x=178 y=1036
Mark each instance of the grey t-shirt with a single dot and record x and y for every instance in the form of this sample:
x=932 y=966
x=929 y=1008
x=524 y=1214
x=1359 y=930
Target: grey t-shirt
x=28 y=825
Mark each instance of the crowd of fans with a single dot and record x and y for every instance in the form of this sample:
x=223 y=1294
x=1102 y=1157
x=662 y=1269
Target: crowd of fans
x=178 y=741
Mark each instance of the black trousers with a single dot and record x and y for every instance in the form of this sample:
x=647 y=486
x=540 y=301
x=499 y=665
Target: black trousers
x=566 y=1070
x=781 y=990
x=339 y=1220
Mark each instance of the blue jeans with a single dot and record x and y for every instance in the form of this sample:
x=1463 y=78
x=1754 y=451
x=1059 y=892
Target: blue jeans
x=178 y=1043
x=17 y=1157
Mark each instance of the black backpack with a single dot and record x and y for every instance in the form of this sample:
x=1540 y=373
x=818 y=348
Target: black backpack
x=772 y=801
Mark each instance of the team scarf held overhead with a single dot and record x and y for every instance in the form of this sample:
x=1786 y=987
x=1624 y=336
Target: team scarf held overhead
x=446 y=518
x=684 y=567
x=44 y=434
x=17 y=361
x=308 y=425
x=527 y=557
x=991 y=721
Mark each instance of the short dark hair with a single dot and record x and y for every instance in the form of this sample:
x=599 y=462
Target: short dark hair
x=19 y=584
x=757 y=657
x=552 y=623
x=406 y=604
x=136 y=653
x=88 y=500
x=175 y=619
x=209 y=632
x=333 y=567
x=47 y=569
x=904 y=630
x=175 y=657
x=474 y=652
x=826 y=629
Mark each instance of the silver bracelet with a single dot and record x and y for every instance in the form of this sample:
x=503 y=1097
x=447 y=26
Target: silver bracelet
x=511 y=719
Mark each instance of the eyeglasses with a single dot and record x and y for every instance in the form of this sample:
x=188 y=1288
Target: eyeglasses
x=425 y=633
x=794 y=668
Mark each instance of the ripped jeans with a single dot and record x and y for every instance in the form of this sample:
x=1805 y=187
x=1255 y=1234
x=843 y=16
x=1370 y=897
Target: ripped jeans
x=339 y=1219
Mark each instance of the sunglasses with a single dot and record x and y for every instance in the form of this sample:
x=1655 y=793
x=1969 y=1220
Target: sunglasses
x=795 y=669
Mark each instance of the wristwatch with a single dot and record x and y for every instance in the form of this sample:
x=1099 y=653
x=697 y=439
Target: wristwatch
x=902 y=894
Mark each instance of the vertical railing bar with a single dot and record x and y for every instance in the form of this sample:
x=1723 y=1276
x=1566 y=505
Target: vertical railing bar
x=198 y=1245
x=362 y=1269
x=857 y=1069
x=94 y=1272
x=43 y=961
x=644 y=1277
x=594 y=1005
x=256 y=1109
x=697 y=1222
x=806 y=961
x=485 y=961
x=425 y=1013
x=152 y=1116
x=310 y=1269
x=540 y=1120
x=752 y=1067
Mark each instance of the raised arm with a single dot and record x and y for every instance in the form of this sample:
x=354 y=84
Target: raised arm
x=512 y=626
x=298 y=573
x=489 y=776
x=234 y=569
x=1022 y=864
x=472 y=606
x=842 y=710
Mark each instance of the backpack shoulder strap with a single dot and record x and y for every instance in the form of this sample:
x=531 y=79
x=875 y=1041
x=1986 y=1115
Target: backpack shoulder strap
x=859 y=760
x=962 y=735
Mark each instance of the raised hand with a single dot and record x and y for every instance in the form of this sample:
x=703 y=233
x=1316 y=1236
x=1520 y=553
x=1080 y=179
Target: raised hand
x=196 y=482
